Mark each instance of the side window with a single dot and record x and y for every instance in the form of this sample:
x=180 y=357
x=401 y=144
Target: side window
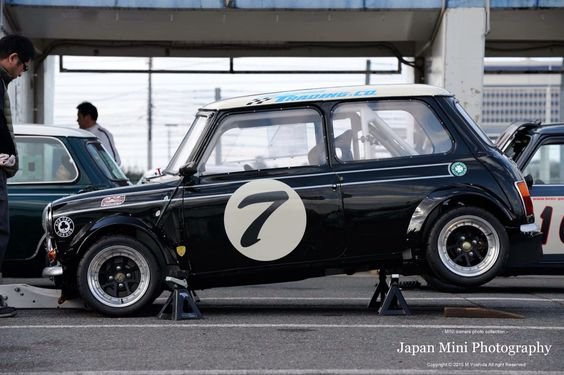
x=43 y=160
x=387 y=129
x=266 y=140
x=547 y=165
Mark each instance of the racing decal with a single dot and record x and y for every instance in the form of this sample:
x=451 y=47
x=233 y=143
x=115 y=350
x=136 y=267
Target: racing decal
x=298 y=96
x=114 y=200
x=259 y=101
x=181 y=250
x=321 y=94
x=548 y=213
x=458 y=169
x=265 y=220
x=64 y=226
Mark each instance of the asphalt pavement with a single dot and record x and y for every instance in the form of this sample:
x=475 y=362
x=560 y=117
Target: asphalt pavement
x=315 y=326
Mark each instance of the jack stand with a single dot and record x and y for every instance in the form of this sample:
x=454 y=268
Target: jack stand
x=381 y=290
x=177 y=301
x=393 y=303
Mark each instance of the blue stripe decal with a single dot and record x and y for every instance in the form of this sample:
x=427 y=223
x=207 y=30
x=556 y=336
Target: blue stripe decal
x=547 y=191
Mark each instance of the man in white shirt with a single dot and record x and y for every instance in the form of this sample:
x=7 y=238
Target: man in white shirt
x=86 y=118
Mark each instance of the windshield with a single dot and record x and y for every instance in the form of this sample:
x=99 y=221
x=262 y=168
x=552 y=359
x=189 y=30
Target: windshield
x=184 y=153
x=474 y=126
x=105 y=162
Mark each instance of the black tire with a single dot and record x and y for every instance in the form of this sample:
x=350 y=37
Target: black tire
x=437 y=284
x=118 y=276
x=467 y=247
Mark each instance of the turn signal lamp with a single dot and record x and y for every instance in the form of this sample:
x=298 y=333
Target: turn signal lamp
x=52 y=256
x=525 y=197
x=51 y=251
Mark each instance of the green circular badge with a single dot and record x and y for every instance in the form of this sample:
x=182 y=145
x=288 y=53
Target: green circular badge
x=458 y=169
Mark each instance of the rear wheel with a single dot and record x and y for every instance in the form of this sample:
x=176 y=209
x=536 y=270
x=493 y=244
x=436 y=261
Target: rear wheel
x=467 y=247
x=437 y=284
x=118 y=276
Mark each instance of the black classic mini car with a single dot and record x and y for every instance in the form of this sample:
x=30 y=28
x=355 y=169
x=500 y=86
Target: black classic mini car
x=538 y=151
x=54 y=162
x=291 y=185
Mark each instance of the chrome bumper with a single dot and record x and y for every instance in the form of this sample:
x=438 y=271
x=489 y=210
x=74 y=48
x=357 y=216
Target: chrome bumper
x=529 y=229
x=52 y=271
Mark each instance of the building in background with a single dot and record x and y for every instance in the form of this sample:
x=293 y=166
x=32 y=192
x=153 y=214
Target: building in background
x=527 y=94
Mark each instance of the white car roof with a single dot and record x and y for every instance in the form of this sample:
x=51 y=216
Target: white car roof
x=329 y=93
x=49 y=130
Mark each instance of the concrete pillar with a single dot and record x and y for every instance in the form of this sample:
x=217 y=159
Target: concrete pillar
x=45 y=91
x=32 y=95
x=21 y=98
x=456 y=58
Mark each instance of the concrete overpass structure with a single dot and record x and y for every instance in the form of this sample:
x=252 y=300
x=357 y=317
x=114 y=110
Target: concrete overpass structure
x=446 y=40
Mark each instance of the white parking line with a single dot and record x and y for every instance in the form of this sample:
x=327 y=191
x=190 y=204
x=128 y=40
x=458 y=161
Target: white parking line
x=364 y=299
x=297 y=372
x=198 y=325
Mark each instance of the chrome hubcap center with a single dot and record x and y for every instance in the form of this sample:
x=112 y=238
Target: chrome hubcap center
x=466 y=246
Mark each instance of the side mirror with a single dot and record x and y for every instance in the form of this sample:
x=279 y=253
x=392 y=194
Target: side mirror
x=529 y=181
x=188 y=170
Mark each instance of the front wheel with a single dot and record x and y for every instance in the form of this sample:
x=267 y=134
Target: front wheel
x=118 y=276
x=467 y=247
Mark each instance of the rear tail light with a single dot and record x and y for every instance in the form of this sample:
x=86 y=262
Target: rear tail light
x=525 y=197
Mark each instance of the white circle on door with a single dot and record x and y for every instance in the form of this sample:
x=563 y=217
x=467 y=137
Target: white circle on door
x=265 y=220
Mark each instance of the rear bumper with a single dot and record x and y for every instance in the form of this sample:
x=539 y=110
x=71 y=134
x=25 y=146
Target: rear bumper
x=525 y=246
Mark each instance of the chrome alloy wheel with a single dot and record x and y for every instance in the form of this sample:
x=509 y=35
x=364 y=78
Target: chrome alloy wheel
x=468 y=246
x=118 y=276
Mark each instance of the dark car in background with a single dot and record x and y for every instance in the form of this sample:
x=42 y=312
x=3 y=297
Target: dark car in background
x=290 y=185
x=538 y=150
x=55 y=162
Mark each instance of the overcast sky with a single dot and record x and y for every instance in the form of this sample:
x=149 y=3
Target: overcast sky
x=122 y=98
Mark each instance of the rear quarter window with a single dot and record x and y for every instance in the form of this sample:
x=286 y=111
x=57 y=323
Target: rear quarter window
x=384 y=129
x=43 y=160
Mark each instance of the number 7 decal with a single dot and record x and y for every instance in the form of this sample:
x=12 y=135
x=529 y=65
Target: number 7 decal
x=265 y=220
x=250 y=237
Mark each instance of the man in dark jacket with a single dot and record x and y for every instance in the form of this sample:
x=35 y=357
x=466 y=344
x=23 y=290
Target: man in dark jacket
x=16 y=52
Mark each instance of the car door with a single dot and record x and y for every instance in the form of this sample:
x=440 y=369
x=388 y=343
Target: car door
x=389 y=155
x=47 y=171
x=545 y=163
x=265 y=195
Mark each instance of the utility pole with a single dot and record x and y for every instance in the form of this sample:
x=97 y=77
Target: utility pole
x=150 y=117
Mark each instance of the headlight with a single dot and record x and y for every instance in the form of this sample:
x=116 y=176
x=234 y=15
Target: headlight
x=47 y=218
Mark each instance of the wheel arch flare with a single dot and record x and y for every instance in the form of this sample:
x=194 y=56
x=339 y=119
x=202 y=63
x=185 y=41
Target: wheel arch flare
x=439 y=202
x=125 y=225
